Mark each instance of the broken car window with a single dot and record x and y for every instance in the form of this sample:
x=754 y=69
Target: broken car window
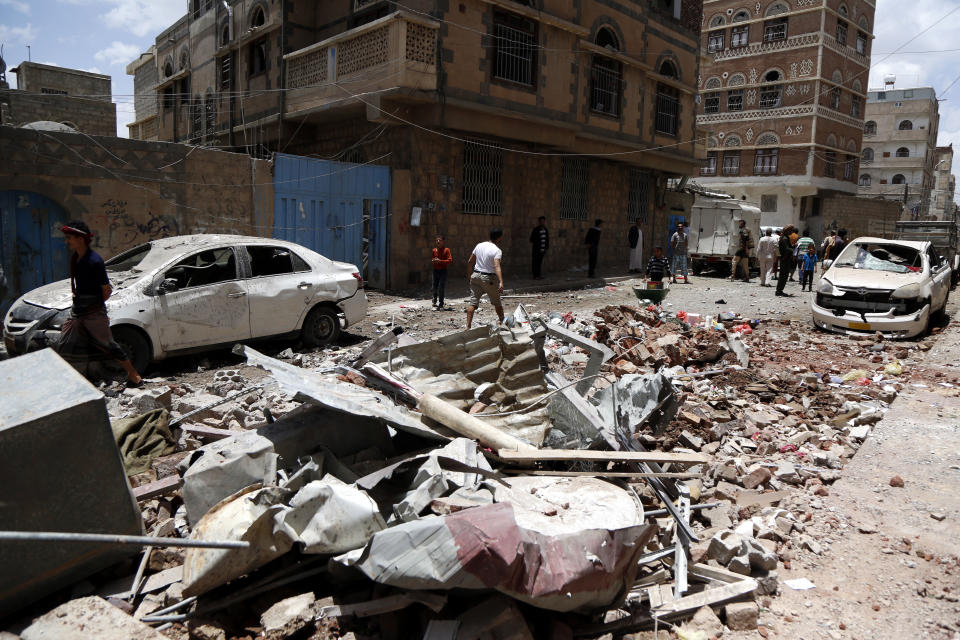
x=204 y=268
x=892 y=258
x=128 y=260
x=271 y=261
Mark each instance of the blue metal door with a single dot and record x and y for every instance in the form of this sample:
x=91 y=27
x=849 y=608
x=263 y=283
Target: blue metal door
x=338 y=209
x=32 y=248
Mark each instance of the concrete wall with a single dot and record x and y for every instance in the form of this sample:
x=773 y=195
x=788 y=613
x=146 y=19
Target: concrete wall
x=136 y=190
x=36 y=78
x=95 y=117
x=859 y=216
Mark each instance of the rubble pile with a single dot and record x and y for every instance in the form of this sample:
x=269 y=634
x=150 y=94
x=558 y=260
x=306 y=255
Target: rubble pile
x=551 y=478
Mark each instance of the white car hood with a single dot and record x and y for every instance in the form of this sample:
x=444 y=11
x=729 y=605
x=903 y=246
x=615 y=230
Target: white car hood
x=57 y=295
x=869 y=279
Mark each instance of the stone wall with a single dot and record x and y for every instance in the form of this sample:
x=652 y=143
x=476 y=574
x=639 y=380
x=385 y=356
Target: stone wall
x=131 y=191
x=95 y=117
x=859 y=216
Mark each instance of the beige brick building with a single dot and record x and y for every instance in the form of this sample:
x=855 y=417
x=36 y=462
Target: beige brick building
x=942 y=204
x=488 y=112
x=899 y=147
x=782 y=101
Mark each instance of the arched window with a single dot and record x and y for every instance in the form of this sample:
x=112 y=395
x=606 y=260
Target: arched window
x=605 y=74
x=713 y=83
x=669 y=70
x=772 y=76
x=168 y=69
x=903 y=152
x=717 y=21
x=740 y=34
x=906 y=125
x=831 y=140
x=866 y=156
x=741 y=15
x=837 y=77
x=732 y=141
x=737 y=80
x=258 y=18
x=667 y=116
x=857 y=86
x=842 y=11
x=870 y=128
x=775 y=29
x=835 y=98
x=899 y=179
x=865 y=180
x=777 y=8
x=184 y=60
x=768 y=139
x=770 y=95
x=225 y=35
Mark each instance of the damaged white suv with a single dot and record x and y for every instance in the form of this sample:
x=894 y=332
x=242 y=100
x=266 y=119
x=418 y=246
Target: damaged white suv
x=895 y=287
x=191 y=293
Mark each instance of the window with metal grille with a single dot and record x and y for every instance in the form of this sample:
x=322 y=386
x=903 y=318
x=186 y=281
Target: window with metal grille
x=605 y=86
x=735 y=100
x=574 y=188
x=856 y=103
x=638 y=199
x=770 y=97
x=899 y=179
x=849 y=164
x=768 y=203
x=865 y=180
x=731 y=163
x=210 y=106
x=835 y=98
x=711 y=103
x=482 y=179
x=866 y=156
x=258 y=57
x=715 y=41
x=225 y=72
x=903 y=152
x=765 y=162
x=515 y=48
x=774 y=30
x=740 y=36
x=196 y=116
x=830 y=166
x=870 y=128
x=668 y=110
x=709 y=167
x=841 y=32
x=861 y=42
x=906 y=125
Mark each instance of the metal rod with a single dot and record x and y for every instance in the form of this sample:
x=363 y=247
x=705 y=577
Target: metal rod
x=59 y=536
x=234 y=396
x=694 y=507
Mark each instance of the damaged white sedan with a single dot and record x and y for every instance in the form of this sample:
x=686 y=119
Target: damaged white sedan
x=895 y=287
x=190 y=293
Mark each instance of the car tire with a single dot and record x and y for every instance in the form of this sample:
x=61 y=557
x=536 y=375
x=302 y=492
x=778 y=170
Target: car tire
x=697 y=267
x=136 y=346
x=322 y=326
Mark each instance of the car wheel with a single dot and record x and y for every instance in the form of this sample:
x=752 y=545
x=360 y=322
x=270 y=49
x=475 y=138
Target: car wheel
x=321 y=327
x=697 y=267
x=135 y=345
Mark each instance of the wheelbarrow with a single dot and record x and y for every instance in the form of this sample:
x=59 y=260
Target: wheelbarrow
x=652 y=291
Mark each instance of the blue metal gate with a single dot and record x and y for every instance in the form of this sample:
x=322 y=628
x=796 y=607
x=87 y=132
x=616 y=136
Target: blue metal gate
x=338 y=209
x=32 y=249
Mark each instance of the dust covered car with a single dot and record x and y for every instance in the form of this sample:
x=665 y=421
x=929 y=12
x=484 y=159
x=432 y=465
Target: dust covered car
x=190 y=293
x=893 y=286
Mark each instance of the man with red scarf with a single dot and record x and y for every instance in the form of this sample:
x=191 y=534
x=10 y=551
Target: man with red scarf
x=86 y=335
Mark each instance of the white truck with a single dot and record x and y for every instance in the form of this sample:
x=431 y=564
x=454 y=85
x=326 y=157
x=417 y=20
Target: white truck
x=714 y=233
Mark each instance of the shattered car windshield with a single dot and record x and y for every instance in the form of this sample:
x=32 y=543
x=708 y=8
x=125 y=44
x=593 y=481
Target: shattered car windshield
x=128 y=260
x=892 y=258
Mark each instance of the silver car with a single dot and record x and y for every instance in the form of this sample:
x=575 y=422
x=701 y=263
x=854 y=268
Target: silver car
x=191 y=293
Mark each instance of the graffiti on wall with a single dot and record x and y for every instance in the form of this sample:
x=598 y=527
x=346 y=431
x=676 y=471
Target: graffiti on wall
x=121 y=230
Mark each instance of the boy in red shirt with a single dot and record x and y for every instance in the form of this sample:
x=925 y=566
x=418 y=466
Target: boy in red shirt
x=441 y=260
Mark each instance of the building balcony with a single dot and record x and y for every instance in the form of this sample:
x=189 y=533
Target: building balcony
x=831 y=43
x=397 y=51
x=756 y=114
x=764 y=48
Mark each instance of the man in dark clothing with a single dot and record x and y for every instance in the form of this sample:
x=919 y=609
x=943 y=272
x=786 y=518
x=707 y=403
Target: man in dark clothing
x=593 y=245
x=86 y=334
x=742 y=256
x=838 y=245
x=539 y=242
x=658 y=266
x=785 y=247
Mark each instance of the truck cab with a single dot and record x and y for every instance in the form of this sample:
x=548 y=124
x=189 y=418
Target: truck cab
x=714 y=225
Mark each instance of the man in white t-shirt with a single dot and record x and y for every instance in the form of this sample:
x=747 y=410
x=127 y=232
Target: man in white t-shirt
x=486 y=275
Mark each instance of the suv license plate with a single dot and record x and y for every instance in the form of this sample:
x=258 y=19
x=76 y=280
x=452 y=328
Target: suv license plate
x=860 y=326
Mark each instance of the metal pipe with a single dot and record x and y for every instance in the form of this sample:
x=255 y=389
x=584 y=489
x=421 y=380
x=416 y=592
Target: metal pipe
x=139 y=541
x=694 y=507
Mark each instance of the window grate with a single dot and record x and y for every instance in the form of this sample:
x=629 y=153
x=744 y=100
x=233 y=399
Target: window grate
x=775 y=30
x=735 y=100
x=668 y=110
x=765 y=162
x=740 y=36
x=482 y=179
x=225 y=65
x=514 y=59
x=605 y=86
x=709 y=167
x=638 y=200
x=731 y=163
x=768 y=203
x=770 y=98
x=830 y=168
x=574 y=188
x=715 y=41
x=711 y=103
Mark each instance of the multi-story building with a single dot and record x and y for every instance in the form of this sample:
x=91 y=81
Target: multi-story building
x=781 y=95
x=78 y=99
x=942 y=204
x=144 y=71
x=488 y=112
x=899 y=147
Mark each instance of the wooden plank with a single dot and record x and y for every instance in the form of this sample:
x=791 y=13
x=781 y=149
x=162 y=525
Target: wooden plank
x=157 y=488
x=208 y=433
x=719 y=574
x=579 y=455
x=715 y=595
x=603 y=474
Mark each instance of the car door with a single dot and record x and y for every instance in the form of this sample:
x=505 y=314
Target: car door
x=280 y=285
x=940 y=273
x=204 y=301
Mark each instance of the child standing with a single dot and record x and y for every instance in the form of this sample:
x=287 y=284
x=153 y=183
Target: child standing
x=808 y=264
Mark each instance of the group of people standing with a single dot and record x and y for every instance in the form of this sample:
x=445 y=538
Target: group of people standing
x=791 y=253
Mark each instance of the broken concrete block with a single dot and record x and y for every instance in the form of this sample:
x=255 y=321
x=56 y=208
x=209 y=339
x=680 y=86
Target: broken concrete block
x=724 y=546
x=746 y=529
x=760 y=557
x=810 y=544
x=768 y=583
x=687 y=439
x=726 y=491
x=718 y=517
x=740 y=564
x=289 y=615
x=63 y=473
x=146 y=400
x=858 y=433
x=704 y=620
x=85 y=618
x=756 y=478
x=742 y=616
x=786 y=472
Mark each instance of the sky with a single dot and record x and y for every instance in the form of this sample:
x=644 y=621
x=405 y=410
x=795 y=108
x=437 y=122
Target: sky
x=105 y=35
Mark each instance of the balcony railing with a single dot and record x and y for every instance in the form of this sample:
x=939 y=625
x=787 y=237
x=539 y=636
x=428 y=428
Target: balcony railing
x=398 y=50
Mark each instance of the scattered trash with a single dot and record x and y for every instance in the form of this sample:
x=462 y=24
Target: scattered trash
x=799 y=584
